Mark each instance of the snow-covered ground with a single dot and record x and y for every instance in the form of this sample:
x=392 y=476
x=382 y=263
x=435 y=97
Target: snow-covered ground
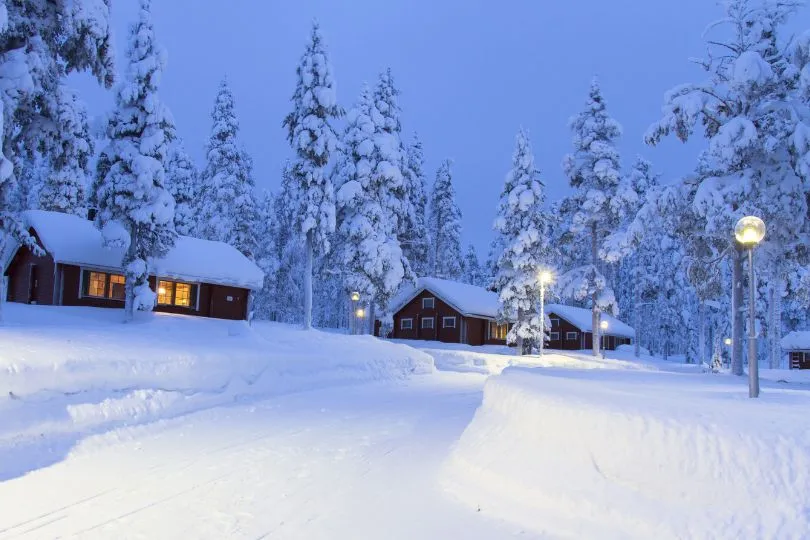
x=177 y=427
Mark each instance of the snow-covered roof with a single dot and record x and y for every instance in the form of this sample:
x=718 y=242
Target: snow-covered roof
x=469 y=300
x=797 y=340
x=582 y=319
x=72 y=240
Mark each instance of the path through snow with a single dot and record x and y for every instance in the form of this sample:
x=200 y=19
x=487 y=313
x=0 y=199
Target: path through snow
x=353 y=462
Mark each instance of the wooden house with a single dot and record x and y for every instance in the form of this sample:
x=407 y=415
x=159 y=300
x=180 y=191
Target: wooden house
x=572 y=329
x=797 y=346
x=197 y=277
x=448 y=311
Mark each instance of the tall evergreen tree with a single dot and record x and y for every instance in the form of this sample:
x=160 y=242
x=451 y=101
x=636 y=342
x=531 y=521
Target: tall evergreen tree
x=65 y=185
x=444 y=226
x=596 y=207
x=266 y=259
x=287 y=252
x=227 y=209
x=130 y=186
x=415 y=240
x=183 y=182
x=524 y=232
x=313 y=139
x=474 y=273
x=40 y=43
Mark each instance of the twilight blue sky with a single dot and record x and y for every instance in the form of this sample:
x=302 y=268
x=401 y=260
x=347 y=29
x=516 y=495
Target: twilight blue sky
x=471 y=73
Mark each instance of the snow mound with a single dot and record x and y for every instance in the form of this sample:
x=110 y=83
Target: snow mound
x=636 y=454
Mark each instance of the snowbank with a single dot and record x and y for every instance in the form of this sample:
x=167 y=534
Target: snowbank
x=636 y=454
x=67 y=370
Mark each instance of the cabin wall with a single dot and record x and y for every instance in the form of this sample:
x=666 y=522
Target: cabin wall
x=583 y=341
x=476 y=330
x=31 y=278
x=413 y=310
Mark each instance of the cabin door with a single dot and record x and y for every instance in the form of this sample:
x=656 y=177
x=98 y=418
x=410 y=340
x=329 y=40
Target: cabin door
x=33 y=284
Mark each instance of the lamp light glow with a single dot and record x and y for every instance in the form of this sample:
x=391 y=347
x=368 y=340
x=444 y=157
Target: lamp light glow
x=360 y=313
x=750 y=231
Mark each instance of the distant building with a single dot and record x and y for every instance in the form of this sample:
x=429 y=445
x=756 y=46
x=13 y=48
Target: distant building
x=197 y=277
x=797 y=346
x=452 y=312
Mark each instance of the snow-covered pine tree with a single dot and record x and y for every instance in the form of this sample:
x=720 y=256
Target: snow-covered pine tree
x=474 y=272
x=288 y=251
x=523 y=228
x=182 y=180
x=596 y=207
x=68 y=37
x=757 y=145
x=313 y=140
x=367 y=177
x=71 y=149
x=227 y=207
x=266 y=258
x=444 y=226
x=135 y=208
x=415 y=240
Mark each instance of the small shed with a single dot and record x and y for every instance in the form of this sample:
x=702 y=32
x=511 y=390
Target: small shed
x=797 y=346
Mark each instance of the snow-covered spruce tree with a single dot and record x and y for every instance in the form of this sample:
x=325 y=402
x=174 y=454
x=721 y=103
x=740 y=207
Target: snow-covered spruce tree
x=444 y=227
x=227 y=207
x=523 y=228
x=414 y=238
x=596 y=208
x=182 y=180
x=368 y=177
x=135 y=208
x=288 y=251
x=72 y=147
x=40 y=43
x=755 y=164
x=266 y=258
x=313 y=140
x=474 y=272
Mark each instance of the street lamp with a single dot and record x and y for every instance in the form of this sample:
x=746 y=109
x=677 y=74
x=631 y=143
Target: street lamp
x=360 y=313
x=545 y=277
x=603 y=325
x=355 y=297
x=727 y=341
x=749 y=232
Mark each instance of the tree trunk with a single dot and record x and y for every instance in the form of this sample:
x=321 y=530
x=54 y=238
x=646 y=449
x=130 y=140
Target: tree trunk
x=130 y=279
x=308 y=282
x=636 y=310
x=776 y=324
x=3 y=284
x=702 y=333
x=519 y=339
x=596 y=332
x=372 y=316
x=737 y=316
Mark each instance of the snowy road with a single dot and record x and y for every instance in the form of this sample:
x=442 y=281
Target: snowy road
x=355 y=462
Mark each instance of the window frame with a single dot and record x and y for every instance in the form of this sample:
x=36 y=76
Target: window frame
x=432 y=300
x=432 y=323
x=85 y=281
x=569 y=338
x=551 y=336
x=402 y=323
x=555 y=322
x=193 y=294
x=445 y=319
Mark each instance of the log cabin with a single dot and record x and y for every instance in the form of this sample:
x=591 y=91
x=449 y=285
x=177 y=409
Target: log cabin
x=197 y=277
x=797 y=346
x=452 y=312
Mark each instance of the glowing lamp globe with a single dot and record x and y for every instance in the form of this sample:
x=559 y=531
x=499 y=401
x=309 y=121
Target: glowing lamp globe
x=355 y=296
x=750 y=231
x=603 y=325
x=727 y=341
x=545 y=277
x=360 y=313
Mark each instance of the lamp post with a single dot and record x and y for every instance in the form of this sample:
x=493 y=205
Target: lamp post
x=749 y=232
x=545 y=278
x=355 y=297
x=603 y=325
x=359 y=314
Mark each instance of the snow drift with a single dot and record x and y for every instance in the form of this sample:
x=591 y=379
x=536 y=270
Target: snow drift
x=635 y=454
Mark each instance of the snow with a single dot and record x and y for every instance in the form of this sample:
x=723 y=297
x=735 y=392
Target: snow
x=468 y=300
x=66 y=371
x=798 y=340
x=73 y=240
x=582 y=319
x=636 y=454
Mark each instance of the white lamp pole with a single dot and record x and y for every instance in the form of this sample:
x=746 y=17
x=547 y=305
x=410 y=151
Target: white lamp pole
x=544 y=277
x=749 y=232
x=355 y=296
x=603 y=325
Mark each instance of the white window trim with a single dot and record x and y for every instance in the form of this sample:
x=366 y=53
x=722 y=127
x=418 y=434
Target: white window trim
x=432 y=323
x=555 y=321
x=432 y=303
x=554 y=336
x=444 y=322
x=568 y=336
x=402 y=324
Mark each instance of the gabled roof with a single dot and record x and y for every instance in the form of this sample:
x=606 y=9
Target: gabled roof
x=798 y=340
x=72 y=240
x=469 y=300
x=582 y=319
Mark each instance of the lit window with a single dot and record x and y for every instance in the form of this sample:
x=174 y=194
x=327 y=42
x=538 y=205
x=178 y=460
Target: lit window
x=448 y=322
x=165 y=289
x=498 y=331
x=571 y=336
x=427 y=322
x=118 y=287
x=182 y=294
x=97 y=284
x=428 y=303
x=406 y=324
